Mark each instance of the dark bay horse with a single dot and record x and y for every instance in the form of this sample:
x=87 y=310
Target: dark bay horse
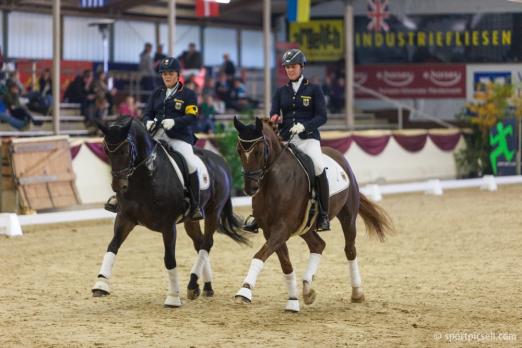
x=151 y=194
x=280 y=201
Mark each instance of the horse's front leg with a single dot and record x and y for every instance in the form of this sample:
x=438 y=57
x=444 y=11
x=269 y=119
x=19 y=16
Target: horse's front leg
x=316 y=246
x=292 y=304
x=122 y=227
x=277 y=237
x=169 y=242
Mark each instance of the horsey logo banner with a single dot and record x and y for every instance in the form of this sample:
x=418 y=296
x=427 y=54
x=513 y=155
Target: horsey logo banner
x=390 y=38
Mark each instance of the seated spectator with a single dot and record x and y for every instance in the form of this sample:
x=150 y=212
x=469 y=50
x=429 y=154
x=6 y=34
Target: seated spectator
x=103 y=101
x=191 y=59
x=81 y=91
x=223 y=89
x=15 y=107
x=337 y=96
x=6 y=117
x=14 y=76
x=129 y=107
x=239 y=98
x=207 y=115
x=209 y=87
x=42 y=100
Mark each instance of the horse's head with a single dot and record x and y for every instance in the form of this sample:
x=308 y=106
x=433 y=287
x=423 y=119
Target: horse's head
x=253 y=146
x=120 y=147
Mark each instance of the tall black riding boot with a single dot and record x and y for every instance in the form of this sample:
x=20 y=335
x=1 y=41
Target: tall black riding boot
x=195 y=211
x=323 y=193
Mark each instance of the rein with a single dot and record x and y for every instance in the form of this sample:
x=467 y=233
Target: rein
x=126 y=173
x=258 y=174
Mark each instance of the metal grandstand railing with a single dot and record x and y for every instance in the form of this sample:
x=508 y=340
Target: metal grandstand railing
x=401 y=107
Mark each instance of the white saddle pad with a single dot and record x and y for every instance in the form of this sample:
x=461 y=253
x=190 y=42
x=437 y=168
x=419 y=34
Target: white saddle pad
x=337 y=178
x=204 y=179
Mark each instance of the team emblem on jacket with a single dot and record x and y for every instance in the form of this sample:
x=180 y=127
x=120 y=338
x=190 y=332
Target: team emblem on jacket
x=306 y=100
x=177 y=106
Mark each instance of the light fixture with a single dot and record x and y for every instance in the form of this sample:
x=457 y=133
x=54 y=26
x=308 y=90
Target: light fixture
x=519 y=1
x=222 y=1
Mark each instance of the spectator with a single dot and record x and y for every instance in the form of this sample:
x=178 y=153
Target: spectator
x=327 y=88
x=228 y=67
x=41 y=100
x=191 y=60
x=238 y=96
x=15 y=107
x=5 y=116
x=207 y=115
x=337 y=96
x=158 y=57
x=209 y=88
x=146 y=69
x=103 y=94
x=223 y=89
x=14 y=76
x=81 y=91
x=129 y=107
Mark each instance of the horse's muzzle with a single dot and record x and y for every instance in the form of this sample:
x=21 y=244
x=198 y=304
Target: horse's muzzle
x=251 y=186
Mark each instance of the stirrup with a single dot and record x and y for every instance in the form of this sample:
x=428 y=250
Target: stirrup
x=112 y=205
x=323 y=224
x=250 y=225
x=196 y=214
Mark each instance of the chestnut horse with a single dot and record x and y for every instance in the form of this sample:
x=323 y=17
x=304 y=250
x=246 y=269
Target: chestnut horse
x=279 y=187
x=150 y=193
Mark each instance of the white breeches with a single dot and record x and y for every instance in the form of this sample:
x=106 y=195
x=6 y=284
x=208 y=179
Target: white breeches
x=184 y=148
x=312 y=148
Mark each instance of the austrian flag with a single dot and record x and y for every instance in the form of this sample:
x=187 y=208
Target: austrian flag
x=207 y=8
x=378 y=12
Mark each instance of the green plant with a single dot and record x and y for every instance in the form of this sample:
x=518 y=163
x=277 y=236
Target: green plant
x=473 y=160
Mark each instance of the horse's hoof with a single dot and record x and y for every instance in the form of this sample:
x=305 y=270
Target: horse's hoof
x=358 y=300
x=172 y=302
x=292 y=305
x=310 y=297
x=244 y=295
x=242 y=300
x=193 y=294
x=208 y=293
x=357 y=295
x=99 y=293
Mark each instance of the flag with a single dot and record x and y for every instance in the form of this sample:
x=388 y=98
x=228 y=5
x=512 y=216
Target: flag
x=207 y=8
x=298 y=10
x=93 y=3
x=378 y=12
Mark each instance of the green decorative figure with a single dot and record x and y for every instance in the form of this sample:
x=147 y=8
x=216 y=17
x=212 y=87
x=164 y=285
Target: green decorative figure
x=502 y=149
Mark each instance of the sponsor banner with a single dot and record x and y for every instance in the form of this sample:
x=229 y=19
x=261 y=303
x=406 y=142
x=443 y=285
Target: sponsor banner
x=479 y=75
x=413 y=81
x=320 y=40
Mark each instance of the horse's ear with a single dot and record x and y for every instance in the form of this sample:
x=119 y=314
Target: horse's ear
x=259 y=124
x=101 y=126
x=237 y=124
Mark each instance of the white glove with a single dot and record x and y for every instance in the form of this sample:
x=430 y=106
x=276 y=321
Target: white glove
x=297 y=128
x=168 y=123
x=149 y=124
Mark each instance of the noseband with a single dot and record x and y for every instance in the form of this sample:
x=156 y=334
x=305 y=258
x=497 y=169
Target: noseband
x=127 y=172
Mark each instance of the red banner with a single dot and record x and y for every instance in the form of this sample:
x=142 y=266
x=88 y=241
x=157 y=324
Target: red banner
x=412 y=81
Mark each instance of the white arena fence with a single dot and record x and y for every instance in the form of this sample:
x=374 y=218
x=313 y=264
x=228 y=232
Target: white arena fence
x=11 y=224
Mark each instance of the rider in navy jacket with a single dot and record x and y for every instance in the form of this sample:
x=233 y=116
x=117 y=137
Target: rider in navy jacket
x=180 y=106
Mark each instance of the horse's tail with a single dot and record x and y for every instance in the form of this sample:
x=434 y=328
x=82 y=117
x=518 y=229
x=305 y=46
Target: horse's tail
x=230 y=225
x=377 y=221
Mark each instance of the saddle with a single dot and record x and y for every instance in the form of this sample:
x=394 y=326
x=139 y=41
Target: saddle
x=179 y=159
x=306 y=163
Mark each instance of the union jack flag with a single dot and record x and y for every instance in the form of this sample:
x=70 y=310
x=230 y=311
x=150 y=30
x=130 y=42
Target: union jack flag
x=378 y=12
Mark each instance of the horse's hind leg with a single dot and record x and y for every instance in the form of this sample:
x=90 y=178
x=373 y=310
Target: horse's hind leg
x=292 y=304
x=350 y=233
x=122 y=227
x=194 y=231
x=316 y=245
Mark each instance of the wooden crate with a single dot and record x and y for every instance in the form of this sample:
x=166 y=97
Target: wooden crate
x=42 y=172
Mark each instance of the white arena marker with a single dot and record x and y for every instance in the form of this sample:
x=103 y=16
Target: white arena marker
x=488 y=183
x=434 y=187
x=373 y=192
x=9 y=225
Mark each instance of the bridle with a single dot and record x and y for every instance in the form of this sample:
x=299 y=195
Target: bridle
x=127 y=172
x=258 y=174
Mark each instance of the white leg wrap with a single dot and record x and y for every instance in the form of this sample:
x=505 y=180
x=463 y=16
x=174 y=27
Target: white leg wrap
x=102 y=284
x=311 y=269
x=291 y=284
x=206 y=276
x=173 y=282
x=255 y=268
x=108 y=262
x=201 y=260
x=354 y=273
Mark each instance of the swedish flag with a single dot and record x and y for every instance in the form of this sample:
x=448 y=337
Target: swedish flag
x=298 y=10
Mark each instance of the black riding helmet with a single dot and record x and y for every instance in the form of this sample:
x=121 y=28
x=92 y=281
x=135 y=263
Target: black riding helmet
x=294 y=56
x=169 y=64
